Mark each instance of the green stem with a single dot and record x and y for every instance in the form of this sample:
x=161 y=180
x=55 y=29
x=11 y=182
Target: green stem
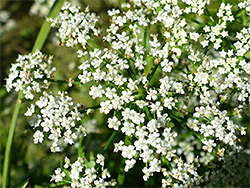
x=66 y=81
x=94 y=44
x=121 y=174
x=109 y=141
x=145 y=37
x=152 y=71
x=37 y=46
x=89 y=48
x=85 y=109
x=6 y=163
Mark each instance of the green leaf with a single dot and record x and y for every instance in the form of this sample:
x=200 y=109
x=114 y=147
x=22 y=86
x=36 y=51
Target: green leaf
x=24 y=185
x=247 y=55
x=91 y=162
x=109 y=142
x=121 y=175
x=80 y=148
x=6 y=163
x=38 y=186
x=43 y=34
x=171 y=125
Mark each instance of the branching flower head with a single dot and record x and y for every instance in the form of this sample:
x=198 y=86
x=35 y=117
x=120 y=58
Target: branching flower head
x=58 y=117
x=174 y=90
x=75 y=27
x=30 y=74
x=84 y=173
x=147 y=103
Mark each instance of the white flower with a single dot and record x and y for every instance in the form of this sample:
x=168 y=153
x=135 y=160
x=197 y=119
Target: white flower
x=58 y=177
x=100 y=159
x=30 y=110
x=247 y=68
x=152 y=94
x=38 y=137
x=129 y=164
x=96 y=91
x=114 y=123
x=195 y=36
x=128 y=151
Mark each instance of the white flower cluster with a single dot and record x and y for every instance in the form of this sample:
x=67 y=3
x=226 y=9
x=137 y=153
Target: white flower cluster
x=218 y=77
x=30 y=74
x=215 y=125
x=150 y=143
x=243 y=45
x=215 y=34
x=84 y=174
x=144 y=110
x=185 y=174
x=58 y=117
x=6 y=22
x=196 y=6
x=41 y=7
x=245 y=5
x=75 y=27
x=158 y=87
x=187 y=148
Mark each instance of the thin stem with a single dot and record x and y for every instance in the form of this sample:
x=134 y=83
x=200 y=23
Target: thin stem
x=6 y=163
x=145 y=37
x=37 y=46
x=67 y=81
x=121 y=174
x=109 y=141
x=89 y=48
x=94 y=44
x=85 y=109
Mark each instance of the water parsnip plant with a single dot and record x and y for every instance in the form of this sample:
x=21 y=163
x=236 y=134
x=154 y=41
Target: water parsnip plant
x=170 y=79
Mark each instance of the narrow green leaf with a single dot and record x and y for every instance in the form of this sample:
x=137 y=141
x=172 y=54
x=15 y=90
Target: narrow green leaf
x=94 y=44
x=45 y=29
x=171 y=125
x=38 y=186
x=109 y=141
x=121 y=175
x=80 y=148
x=91 y=162
x=24 y=185
x=6 y=163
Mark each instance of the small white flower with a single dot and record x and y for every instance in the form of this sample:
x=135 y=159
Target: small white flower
x=38 y=137
x=194 y=36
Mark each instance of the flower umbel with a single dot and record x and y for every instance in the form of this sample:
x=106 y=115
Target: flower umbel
x=58 y=117
x=30 y=74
